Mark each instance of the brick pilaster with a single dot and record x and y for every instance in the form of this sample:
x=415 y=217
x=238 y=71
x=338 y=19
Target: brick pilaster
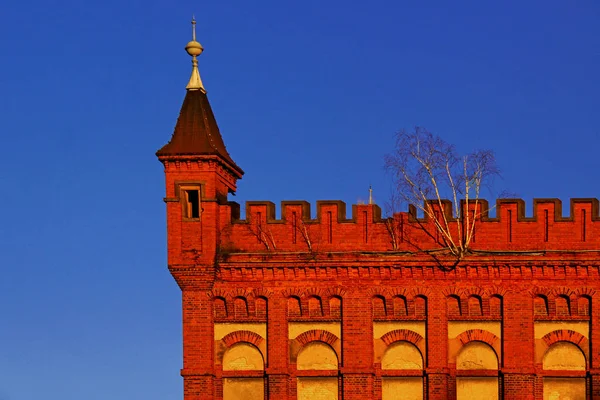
x=278 y=357
x=437 y=348
x=357 y=347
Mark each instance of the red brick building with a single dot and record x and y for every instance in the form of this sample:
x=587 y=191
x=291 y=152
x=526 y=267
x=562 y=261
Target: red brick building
x=343 y=307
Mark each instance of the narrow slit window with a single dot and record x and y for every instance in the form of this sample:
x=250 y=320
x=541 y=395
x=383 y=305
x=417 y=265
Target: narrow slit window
x=192 y=203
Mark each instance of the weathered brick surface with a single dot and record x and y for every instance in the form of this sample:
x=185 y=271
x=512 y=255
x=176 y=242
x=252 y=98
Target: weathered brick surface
x=358 y=269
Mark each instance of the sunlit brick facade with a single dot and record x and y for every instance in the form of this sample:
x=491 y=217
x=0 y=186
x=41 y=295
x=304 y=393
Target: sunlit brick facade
x=351 y=306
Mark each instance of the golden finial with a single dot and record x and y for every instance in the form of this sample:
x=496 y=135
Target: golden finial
x=194 y=49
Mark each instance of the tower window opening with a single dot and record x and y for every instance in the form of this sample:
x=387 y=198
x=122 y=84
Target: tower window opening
x=192 y=204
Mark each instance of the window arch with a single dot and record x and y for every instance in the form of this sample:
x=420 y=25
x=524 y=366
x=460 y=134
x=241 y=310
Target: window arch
x=315 y=307
x=563 y=306
x=400 y=306
x=219 y=308
x=321 y=360
x=240 y=307
x=475 y=306
x=540 y=305
x=335 y=307
x=317 y=356
x=496 y=306
x=402 y=355
x=565 y=357
x=453 y=306
x=477 y=358
x=293 y=307
x=245 y=357
x=476 y=355
x=379 y=307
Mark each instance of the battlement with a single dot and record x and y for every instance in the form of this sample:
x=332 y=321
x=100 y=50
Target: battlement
x=579 y=208
x=332 y=229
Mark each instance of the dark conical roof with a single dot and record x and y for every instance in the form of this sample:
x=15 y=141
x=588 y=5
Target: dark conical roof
x=196 y=131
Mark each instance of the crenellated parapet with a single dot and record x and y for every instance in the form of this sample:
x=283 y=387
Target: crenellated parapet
x=332 y=230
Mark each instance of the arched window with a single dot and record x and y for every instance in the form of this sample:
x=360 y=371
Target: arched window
x=317 y=356
x=563 y=306
x=261 y=307
x=495 y=306
x=583 y=306
x=402 y=355
x=474 y=358
x=379 y=309
x=453 y=306
x=315 y=308
x=540 y=305
x=219 y=308
x=293 y=307
x=240 y=307
x=564 y=356
x=335 y=307
x=243 y=357
x=475 y=306
x=400 y=306
x=420 y=306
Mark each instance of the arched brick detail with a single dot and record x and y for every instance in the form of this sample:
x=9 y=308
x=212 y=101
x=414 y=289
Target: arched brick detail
x=393 y=292
x=242 y=336
x=541 y=291
x=317 y=335
x=239 y=292
x=335 y=292
x=378 y=291
x=314 y=292
x=585 y=291
x=402 y=335
x=216 y=293
x=567 y=335
x=450 y=291
x=478 y=335
x=420 y=291
x=496 y=291
x=563 y=291
x=474 y=291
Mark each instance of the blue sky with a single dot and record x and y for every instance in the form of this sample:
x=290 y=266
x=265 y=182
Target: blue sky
x=308 y=96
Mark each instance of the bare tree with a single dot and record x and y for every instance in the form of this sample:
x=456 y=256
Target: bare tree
x=426 y=170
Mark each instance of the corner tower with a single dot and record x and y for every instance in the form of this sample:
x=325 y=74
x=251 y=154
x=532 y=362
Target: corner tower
x=199 y=174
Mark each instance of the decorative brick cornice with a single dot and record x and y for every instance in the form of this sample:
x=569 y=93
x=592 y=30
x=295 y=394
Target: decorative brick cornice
x=257 y=268
x=242 y=336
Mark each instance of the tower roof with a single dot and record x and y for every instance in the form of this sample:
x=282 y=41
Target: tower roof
x=196 y=132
